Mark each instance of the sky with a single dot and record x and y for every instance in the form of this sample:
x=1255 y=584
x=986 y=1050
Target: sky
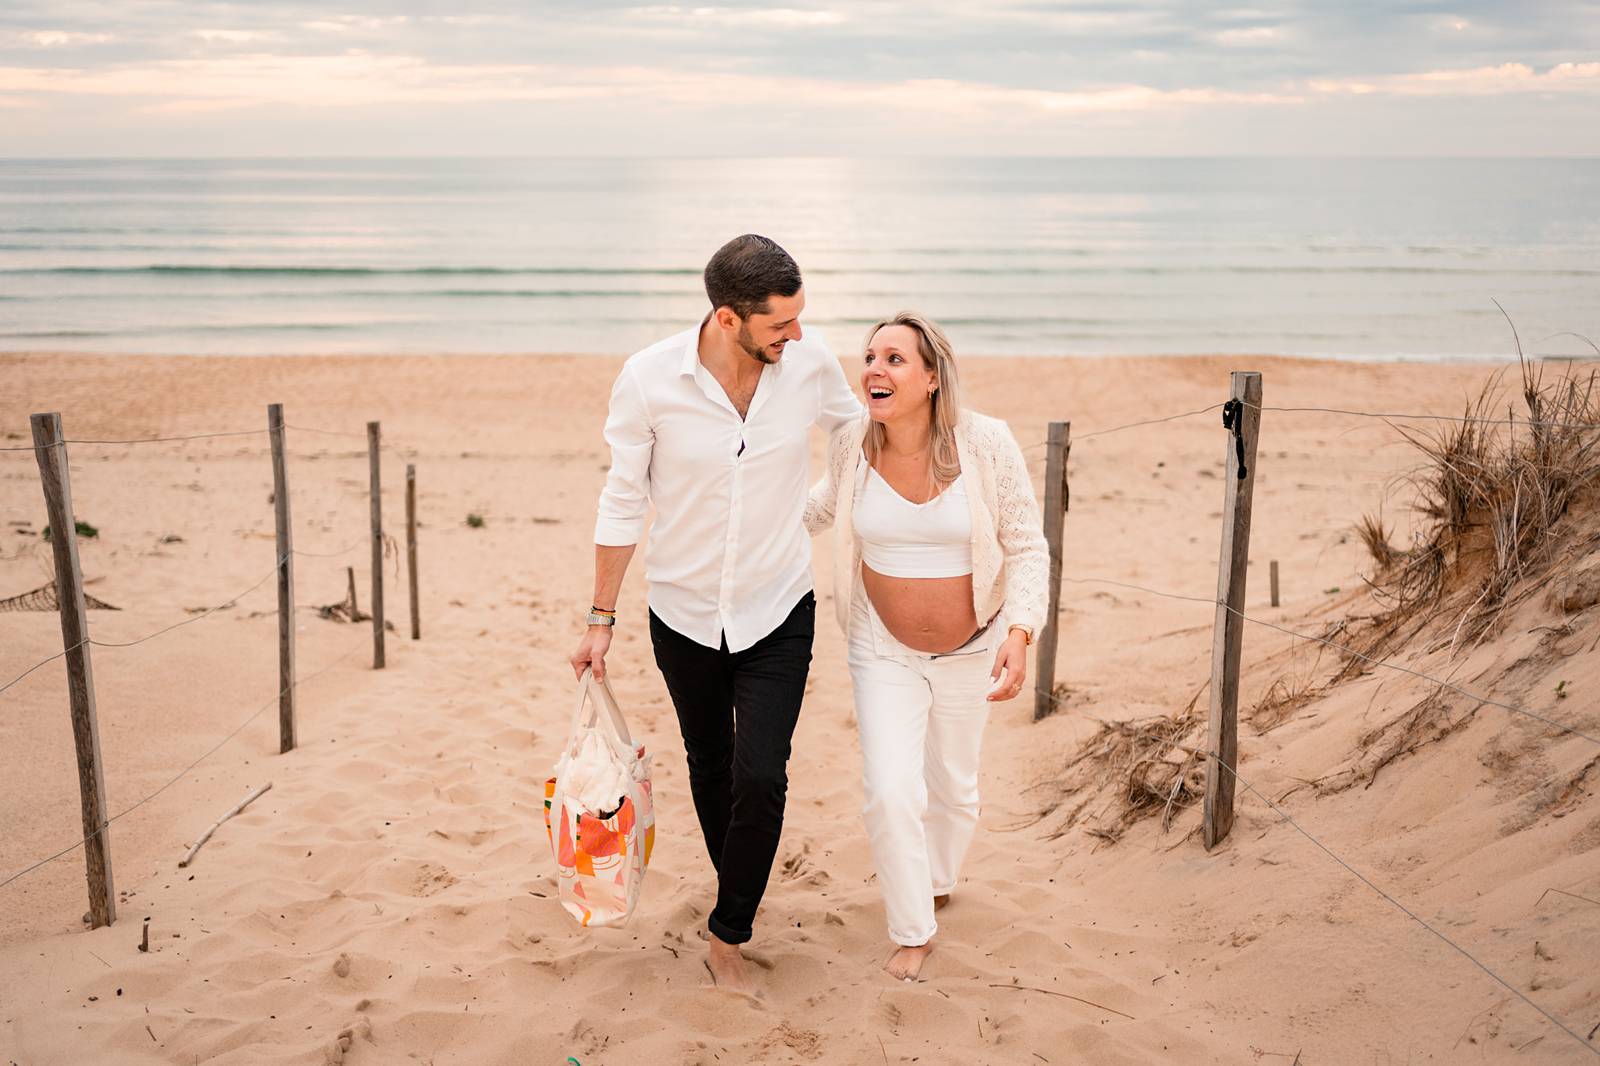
x=749 y=81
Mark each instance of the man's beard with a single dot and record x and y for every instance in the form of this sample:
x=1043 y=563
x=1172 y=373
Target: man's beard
x=751 y=348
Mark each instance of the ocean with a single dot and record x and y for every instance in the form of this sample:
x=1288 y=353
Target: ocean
x=1356 y=259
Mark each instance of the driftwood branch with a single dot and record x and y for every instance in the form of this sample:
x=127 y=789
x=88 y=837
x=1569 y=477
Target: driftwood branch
x=1064 y=995
x=195 y=847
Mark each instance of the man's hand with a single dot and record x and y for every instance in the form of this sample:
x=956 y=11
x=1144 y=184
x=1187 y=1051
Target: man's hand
x=610 y=563
x=591 y=652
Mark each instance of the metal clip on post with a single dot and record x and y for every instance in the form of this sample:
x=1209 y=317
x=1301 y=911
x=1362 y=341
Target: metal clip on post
x=1233 y=418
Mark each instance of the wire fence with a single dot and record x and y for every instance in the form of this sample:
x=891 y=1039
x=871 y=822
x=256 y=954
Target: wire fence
x=185 y=437
x=149 y=636
x=135 y=440
x=1388 y=897
x=1384 y=416
x=1341 y=648
x=181 y=774
x=1212 y=757
x=346 y=550
x=231 y=602
x=197 y=616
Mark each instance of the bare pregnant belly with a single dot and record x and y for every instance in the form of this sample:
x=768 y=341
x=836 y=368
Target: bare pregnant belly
x=926 y=614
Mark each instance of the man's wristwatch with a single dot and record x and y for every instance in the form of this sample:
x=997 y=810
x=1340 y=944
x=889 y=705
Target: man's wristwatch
x=1027 y=632
x=599 y=617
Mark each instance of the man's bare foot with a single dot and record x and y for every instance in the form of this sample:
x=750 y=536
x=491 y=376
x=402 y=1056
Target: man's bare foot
x=727 y=968
x=906 y=963
x=940 y=901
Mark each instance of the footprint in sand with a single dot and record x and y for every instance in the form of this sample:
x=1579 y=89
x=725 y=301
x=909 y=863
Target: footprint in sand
x=432 y=878
x=806 y=1043
x=341 y=1044
x=797 y=864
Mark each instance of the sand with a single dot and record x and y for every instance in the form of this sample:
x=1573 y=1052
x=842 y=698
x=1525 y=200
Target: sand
x=390 y=900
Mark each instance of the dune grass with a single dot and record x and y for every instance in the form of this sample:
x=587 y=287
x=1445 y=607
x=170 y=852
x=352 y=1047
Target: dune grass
x=1493 y=493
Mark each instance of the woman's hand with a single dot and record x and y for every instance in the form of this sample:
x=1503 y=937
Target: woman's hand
x=1013 y=659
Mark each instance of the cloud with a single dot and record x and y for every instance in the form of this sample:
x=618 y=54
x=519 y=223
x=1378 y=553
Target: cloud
x=351 y=79
x=943 y=95
x=54 y=38
x=1249 y=36
x=353 y=23
x=358 y=78
x=234 y=36
x=1507 y=78
x=653 y=72
x=784 y=17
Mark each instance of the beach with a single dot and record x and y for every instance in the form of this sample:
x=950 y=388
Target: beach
x=392 y=898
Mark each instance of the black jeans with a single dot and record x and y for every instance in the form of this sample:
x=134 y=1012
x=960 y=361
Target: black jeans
x=737 y=711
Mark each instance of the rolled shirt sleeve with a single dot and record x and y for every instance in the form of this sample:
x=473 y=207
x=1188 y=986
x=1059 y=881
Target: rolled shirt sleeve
x=838 y=404
x=625 y=500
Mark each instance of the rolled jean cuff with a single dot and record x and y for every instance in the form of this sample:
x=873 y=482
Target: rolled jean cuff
x=912 y=940
x=726 y=933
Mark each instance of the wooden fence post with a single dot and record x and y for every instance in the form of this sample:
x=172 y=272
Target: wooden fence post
x=411 y=548
x=54 y=476
x=285 y=541
x=377 y=548
x=1274 y=575
x=1228 y=628
x=1058 y=446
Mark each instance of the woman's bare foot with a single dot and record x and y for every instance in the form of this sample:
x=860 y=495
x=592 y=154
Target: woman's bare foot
x=726 y=965
x=940 y=901
x=906 y=963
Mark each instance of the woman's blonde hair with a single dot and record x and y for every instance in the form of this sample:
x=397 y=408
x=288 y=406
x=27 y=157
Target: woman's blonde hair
x=939 y=357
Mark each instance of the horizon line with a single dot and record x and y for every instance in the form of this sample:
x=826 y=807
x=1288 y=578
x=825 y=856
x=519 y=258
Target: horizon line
x=585 y=157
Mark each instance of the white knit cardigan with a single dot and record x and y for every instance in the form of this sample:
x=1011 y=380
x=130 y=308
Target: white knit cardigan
x=1010 y=560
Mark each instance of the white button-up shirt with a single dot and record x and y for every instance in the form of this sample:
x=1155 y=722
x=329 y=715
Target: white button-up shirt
x=728 y=555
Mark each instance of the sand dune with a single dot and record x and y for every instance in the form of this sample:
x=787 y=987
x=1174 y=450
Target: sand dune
x=390 y=899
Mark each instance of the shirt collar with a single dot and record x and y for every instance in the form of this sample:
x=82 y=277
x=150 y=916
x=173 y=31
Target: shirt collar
x=691 y=353
x=691 y=349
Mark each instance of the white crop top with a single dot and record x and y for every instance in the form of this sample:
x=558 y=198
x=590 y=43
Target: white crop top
x=904 y=539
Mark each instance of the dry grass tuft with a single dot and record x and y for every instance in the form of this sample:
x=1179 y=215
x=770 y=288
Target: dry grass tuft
x=1135 y=770
x=1498 y=496
x=1492 y=492
x=1277 y=705
x=1429 y=721
x=1375 y=535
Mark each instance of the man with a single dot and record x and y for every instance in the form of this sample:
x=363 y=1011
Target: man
x=711 y=426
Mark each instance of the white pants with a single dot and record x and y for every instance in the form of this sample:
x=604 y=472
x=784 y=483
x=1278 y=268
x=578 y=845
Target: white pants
x=921 y=719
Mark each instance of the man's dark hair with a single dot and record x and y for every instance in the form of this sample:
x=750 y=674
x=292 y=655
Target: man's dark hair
x=747 y=271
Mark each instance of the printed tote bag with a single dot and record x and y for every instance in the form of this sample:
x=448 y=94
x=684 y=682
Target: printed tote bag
x=598 y=811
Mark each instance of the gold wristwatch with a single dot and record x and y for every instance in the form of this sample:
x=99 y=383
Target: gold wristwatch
x=1027 y=632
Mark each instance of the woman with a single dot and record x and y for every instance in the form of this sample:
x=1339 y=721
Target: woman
x=940 y=575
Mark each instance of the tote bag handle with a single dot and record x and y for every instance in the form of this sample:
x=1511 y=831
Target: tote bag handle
x=603 y=706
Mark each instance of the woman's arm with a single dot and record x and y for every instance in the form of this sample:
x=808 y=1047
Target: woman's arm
x=1027 y=562
x=820 y=505
x=1021 y=534
x=824 y=497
